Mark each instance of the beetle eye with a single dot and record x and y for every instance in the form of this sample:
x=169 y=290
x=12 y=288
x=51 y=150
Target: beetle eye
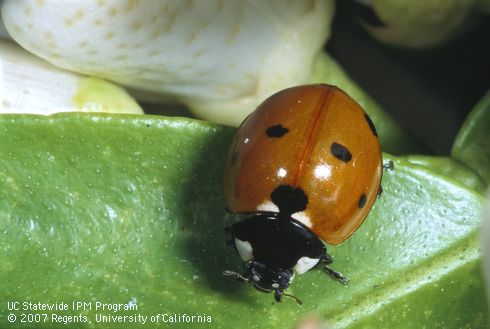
x=275 y=285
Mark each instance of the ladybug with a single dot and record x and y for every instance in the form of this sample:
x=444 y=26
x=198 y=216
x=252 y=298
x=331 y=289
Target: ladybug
x=305 y=166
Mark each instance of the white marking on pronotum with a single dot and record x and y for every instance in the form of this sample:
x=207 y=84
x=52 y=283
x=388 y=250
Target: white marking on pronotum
x=302 y=218
x=305 y=264
x=244 y=249
x=268 y=206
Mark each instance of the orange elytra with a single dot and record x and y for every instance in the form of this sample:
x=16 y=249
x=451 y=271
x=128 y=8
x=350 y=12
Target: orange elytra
x=308 y=155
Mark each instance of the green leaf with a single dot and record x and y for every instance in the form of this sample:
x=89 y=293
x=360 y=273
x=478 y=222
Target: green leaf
x=453 y=170
x=472 y=145
x=125 y=208
x=485 y=238
x=393 y=139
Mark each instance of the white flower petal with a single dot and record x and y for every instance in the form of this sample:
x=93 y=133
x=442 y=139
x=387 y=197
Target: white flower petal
x=219 y=57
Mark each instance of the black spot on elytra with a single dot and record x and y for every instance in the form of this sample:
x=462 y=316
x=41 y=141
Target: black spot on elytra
x=289 y=199
x=362 y=201
x=340 y=152
x=371 y=124
x=276 y=131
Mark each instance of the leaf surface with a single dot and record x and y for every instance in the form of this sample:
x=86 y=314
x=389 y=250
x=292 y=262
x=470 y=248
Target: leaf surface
x=472 y=145
x=129 y=209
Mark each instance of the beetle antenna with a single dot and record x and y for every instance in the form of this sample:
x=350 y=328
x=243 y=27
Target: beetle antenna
x=235 y=275
x=296 y=299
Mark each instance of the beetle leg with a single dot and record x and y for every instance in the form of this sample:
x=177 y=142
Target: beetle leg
x=229 y=241
x=277 y=295
x=336 y=275
x=327 y=260
x=389 y=165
